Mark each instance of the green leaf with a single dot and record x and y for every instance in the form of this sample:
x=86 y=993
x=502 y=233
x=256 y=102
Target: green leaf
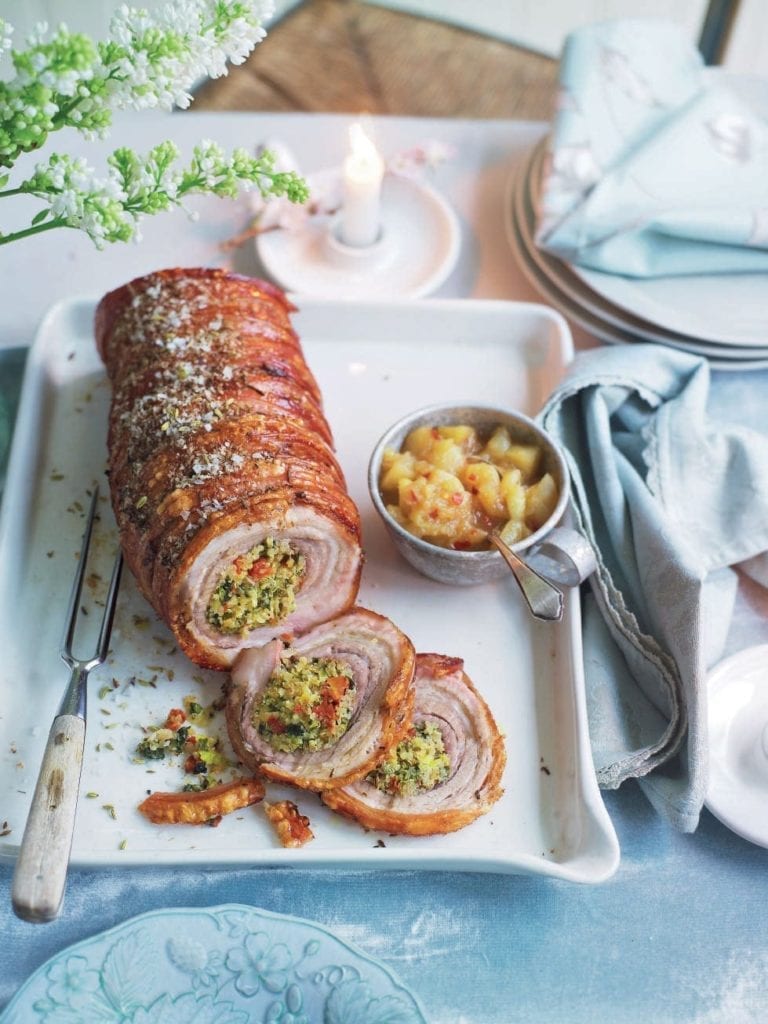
x=40 y=217
x=4 y=179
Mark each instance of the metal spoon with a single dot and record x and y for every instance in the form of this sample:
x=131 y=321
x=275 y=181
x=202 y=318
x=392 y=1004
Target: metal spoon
x=544 y=600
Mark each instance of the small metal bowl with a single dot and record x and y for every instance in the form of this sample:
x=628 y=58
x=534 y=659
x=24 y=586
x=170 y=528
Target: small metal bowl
x=445 y=564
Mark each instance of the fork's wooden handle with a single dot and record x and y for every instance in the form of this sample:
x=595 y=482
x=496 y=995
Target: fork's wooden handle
x=41 y=869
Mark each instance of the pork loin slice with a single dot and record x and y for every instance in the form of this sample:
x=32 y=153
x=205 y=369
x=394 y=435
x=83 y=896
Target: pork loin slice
x=382 y=661
x=332 y=564
x=445 y=696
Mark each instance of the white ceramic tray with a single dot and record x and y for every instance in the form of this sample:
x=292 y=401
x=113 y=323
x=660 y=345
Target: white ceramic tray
x=374 y=363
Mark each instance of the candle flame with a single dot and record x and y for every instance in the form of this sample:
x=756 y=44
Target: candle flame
x=363 y=149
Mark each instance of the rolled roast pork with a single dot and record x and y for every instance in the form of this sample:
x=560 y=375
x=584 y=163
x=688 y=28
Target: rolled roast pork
x=231 y=506
x=445 y=772
x=325 y=710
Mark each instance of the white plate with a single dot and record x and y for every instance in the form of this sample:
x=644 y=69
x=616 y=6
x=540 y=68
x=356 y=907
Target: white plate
x=525 y=198
x=548 y=290
x=228 y=964
x=375 y=362
x=738 y=743
x=526 y=253
x=729 y=309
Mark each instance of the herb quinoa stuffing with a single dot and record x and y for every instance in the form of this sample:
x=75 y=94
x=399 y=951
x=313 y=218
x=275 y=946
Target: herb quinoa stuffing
x=258 y=589
x=202 y=755
x=418 y=763
x=307 y=704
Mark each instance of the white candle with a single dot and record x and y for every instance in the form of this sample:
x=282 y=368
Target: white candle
x=361 y=210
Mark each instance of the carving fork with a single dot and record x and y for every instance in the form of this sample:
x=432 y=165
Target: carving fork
x=41 y=868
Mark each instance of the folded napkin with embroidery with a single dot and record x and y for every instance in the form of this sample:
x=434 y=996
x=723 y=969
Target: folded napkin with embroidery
x=654 y=167
x=672 y=499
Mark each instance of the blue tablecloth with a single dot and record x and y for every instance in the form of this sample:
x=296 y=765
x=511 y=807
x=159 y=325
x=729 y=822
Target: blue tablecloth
x=678 y=935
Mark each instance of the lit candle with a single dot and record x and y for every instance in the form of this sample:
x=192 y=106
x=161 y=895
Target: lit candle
x=363 y=171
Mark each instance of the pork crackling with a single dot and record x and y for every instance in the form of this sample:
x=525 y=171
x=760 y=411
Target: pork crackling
x=447 y=769
x=231 y=506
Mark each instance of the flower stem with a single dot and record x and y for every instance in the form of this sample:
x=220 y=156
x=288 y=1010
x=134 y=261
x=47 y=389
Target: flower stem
x=12 y=192
x=57 y=222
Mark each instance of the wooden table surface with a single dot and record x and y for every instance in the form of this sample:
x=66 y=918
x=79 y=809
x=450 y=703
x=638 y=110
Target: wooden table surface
x=351 y=57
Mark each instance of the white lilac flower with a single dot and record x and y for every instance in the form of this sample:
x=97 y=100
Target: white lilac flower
x=182 y=43
x=150 y=61
x=110 y=209
x=6 y=32
x=67 y=80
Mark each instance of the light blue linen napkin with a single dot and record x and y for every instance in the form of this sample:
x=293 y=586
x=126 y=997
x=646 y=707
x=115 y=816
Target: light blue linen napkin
x=652 y=169
x=671 y=500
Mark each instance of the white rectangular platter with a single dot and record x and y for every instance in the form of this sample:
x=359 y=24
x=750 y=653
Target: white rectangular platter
x=374 y=363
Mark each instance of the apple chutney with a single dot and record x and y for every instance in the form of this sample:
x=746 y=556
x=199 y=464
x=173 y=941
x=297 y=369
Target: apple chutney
x=452 y=487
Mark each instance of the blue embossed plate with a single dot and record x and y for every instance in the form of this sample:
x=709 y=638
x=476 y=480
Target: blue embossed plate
x=223 y=965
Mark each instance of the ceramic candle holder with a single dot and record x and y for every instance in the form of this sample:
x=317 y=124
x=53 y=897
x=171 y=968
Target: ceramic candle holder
x=416 y=249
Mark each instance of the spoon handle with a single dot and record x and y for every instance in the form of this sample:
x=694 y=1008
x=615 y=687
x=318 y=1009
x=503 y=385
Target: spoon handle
x=544 y=599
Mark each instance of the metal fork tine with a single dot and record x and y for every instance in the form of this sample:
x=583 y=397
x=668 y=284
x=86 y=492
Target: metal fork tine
x=109 y=611
x=77 y=584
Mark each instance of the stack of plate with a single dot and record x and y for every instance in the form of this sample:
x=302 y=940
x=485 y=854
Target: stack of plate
x=723 y=317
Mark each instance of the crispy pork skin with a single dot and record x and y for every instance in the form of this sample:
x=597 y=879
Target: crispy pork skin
x=232 y=508
x=474 y=748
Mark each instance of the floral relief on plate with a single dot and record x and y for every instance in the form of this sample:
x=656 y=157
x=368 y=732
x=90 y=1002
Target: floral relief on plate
x=226 y=965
